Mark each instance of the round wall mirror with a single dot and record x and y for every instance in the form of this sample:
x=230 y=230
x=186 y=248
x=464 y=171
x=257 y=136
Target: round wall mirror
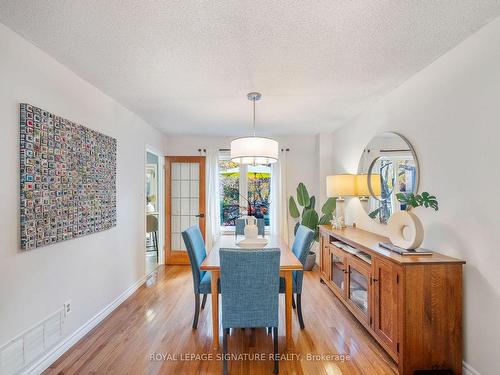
x=387 y=166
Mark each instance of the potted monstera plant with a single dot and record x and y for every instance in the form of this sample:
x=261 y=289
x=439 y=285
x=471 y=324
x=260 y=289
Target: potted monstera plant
x=310 y=217
x=404 y=228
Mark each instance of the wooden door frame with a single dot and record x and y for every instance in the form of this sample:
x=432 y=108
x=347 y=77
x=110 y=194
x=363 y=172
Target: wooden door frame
x=181 y=257
x=161 y=195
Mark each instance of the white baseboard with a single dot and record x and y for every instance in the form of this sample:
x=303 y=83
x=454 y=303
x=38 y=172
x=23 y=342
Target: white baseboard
x=45 y=361
x=468 y=370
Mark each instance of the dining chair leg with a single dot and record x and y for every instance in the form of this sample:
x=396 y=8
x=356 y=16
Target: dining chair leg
x=196 y=310
x=293 y=301
x=299 y=310
x=204 y=301
x=224 y=349
x=276 y=360
x=269 y=330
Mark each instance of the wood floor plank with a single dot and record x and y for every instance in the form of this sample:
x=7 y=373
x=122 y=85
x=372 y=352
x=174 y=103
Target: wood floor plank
x=157 y=320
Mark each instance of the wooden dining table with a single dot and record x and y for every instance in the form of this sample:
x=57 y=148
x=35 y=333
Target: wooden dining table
x=288 y=263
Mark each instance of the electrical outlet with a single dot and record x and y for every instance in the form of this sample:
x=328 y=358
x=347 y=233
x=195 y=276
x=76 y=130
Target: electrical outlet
x=67 y=308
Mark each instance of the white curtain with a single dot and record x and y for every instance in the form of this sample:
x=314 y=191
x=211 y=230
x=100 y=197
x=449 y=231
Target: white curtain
x=278 y=210
x=212 y=221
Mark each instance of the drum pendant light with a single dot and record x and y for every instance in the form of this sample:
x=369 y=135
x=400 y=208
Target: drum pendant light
x=254 y=150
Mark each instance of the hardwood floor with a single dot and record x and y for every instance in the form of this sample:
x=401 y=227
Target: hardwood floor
x=156 y=321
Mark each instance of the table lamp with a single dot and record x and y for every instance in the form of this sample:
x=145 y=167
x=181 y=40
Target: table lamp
x=362 y=188
x=340 y=186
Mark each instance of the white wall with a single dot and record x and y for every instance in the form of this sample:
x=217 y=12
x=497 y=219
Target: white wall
x=324 y=156
x=91 y=271
x=301 y=159
x=450 y=112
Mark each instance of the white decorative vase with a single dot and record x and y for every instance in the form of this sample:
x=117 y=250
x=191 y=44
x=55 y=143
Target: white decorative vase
x=251 y=231
x=405 y=230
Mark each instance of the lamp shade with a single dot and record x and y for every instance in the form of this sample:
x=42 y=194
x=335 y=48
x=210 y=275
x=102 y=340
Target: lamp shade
x=341 y=185
x=254 y=150
x=362 y=188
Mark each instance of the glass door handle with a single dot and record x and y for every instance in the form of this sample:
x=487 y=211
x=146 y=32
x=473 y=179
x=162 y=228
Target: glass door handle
x=200 y=215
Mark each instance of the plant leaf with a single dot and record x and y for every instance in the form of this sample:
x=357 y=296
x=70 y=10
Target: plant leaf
x=292 y=208
x=401 y=197
x=420 y=200
x=411 y=200
x=312 y=202
x=302 y=195
x=329 y=206
x=374 y=213
x=316 y=235
x=429 y=200
x=310 y=219
x=424 y=199
x=325 y=219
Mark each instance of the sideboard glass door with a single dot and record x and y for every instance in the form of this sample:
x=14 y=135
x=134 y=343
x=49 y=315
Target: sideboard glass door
x=359 y=291
x=339 y=267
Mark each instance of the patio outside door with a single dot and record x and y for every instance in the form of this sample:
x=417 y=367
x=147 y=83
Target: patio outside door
x=184 y=203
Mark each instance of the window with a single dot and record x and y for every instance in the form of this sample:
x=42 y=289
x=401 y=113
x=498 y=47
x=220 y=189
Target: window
x=244 y=189
x=259 y=189
x=229 y=191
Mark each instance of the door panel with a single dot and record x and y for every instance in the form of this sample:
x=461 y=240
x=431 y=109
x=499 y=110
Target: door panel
x=339 y=270
x=184 y=203
x=385 y=302
x=358 y=293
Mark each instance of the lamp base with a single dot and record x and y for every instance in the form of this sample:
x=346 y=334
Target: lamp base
x=339 y=218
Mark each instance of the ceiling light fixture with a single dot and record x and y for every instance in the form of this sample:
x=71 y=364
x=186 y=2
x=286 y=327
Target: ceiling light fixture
x=254 y=150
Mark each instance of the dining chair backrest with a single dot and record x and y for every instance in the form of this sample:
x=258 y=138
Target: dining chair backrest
x=301 y=245
x=151 y=223
x=195 y=246
x=239 y=227
x=249 y=287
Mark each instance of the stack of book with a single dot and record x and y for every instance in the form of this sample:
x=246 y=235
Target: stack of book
x=401 y=251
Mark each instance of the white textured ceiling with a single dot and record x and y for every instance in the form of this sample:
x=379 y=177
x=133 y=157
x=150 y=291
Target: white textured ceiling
x=186 y=66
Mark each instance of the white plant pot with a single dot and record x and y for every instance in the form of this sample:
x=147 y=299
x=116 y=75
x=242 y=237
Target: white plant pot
x=251 y=230
x=405 y=230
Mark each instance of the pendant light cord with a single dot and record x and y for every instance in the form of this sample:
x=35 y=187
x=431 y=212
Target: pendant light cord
x=254 y=116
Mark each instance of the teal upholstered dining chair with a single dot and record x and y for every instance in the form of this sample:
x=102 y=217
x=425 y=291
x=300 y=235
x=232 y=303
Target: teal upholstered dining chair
x=239 y=227
x=301 y=245
x=250 y=292
x=202 y=280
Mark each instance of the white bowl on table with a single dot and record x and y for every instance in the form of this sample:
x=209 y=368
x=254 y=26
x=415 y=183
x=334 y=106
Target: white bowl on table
x=253 y=243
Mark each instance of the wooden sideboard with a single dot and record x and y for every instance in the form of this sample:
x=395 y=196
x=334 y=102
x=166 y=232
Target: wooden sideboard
x=412 y=305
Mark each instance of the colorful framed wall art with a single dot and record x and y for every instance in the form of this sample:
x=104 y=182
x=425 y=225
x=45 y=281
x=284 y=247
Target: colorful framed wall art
x=68 y=179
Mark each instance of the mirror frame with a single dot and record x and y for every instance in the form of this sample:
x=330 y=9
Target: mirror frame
x=372 y=164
